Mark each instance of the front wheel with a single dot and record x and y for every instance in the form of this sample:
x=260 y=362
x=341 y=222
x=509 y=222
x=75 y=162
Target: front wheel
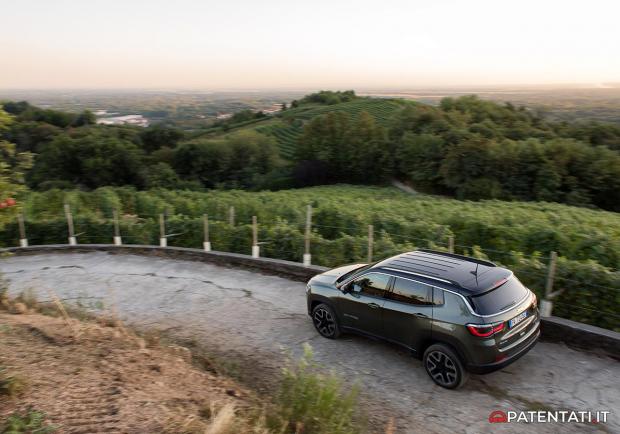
x=444 y=366
x=324 y=320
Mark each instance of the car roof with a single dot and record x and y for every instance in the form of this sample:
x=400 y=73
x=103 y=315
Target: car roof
x=468 y=275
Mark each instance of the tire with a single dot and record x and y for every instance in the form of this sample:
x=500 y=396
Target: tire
x=325 y=321
x=444 y=366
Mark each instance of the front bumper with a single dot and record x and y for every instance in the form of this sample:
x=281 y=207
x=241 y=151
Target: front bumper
x=491 y=367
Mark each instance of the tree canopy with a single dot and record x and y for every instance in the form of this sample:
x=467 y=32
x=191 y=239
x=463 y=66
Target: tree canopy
x=465 y=147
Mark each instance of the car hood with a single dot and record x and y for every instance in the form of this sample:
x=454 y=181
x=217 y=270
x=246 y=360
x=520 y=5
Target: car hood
x=330 y=277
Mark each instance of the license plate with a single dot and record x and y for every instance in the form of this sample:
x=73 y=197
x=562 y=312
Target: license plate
x=517 y=319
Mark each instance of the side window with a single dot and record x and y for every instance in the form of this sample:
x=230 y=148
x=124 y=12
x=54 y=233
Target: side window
x=373 y=284
x=408 y=291
x=438 y=297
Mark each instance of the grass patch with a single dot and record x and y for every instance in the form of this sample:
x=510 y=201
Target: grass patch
x=312 y=402
x=30 y=422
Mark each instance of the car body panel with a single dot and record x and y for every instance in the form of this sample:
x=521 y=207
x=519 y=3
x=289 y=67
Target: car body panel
x=406 y=324
x=361 y=312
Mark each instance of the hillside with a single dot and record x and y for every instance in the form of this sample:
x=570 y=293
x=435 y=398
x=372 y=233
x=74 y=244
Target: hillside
x=287 y=126
x=466 y=148
x=67 y=367
x=106 y=380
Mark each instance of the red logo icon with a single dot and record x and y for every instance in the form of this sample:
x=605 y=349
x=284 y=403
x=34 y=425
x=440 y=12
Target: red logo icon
x=498 y=416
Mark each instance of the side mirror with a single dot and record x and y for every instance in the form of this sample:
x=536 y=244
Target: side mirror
x=345 y=288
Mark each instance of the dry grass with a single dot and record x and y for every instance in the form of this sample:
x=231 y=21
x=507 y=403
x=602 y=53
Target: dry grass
x=309 y=402
x=11 y=385
x=221 y=419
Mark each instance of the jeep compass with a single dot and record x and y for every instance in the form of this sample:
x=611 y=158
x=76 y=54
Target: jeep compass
x=458 y=314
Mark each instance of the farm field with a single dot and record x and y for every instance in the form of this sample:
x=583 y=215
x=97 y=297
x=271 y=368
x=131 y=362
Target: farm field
x=520 y=235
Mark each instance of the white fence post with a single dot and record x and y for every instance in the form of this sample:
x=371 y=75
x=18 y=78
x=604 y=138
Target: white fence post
x=546 y=305
x=231 y=216
x=118 y=241
x=23 y=241
x=72 y=239
x=371 y=241
x=255 y=246
x=206 y=244
x=307 y=259
x=163 y=241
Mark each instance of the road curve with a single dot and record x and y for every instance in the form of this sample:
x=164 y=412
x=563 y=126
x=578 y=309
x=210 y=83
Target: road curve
x=251 y=320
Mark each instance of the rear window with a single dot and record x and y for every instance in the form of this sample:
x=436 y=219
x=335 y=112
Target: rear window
x=411 y=292
x=501 y=298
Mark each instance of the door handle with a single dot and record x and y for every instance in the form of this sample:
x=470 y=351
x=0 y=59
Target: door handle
x=373 y=305
x=421 y=315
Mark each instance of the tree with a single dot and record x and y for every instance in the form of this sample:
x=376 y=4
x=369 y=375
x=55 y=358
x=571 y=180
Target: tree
x=205 y=161
x=158 y=136
x=369 y=158
x=468 y=169
x=419 y=158
x=13 y=165
x=85 y=118
x=160 y=175
x=235 y=161
x=92 y=158
x=30 y=135
x=16 y=108
x=329 y=97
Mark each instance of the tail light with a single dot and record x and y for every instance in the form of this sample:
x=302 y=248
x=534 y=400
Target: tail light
x=485 y=330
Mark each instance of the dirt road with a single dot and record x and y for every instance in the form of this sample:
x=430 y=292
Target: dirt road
x=251 y=320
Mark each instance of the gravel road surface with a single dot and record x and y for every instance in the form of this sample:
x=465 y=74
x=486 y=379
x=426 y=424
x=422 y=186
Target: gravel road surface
x=251 y=321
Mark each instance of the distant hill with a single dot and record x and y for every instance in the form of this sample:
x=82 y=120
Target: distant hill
x=287 y=126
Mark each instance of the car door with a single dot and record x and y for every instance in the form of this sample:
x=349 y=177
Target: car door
x=408 y=312
x=362 y=303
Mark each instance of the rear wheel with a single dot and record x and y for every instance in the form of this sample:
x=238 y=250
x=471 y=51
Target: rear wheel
x=444 y=366
x=324 y=320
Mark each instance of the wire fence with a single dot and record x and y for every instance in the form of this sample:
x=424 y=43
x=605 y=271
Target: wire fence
x=299 y=239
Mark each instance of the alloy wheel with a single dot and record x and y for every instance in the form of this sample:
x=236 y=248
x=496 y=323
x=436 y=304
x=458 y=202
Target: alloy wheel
x=324 y=322
x=441 y=368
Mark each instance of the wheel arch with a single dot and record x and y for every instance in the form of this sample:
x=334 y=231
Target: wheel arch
x=453 y=344
x=320 y=299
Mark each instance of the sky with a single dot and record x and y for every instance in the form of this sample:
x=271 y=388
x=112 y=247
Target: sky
x=288 y=44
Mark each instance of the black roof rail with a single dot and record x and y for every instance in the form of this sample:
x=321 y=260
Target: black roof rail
x=461 y=257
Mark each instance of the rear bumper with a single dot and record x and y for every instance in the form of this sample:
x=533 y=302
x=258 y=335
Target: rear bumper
x=490 y=367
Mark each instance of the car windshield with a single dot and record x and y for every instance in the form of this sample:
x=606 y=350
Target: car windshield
x=503 y=297
x=353 y=272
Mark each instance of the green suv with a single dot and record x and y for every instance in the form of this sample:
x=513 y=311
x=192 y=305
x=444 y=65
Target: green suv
x=458 y=313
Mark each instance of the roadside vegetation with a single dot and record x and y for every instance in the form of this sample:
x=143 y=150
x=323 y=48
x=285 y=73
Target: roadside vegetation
x=311 y=401
x=520 y=235
x=307 y=399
